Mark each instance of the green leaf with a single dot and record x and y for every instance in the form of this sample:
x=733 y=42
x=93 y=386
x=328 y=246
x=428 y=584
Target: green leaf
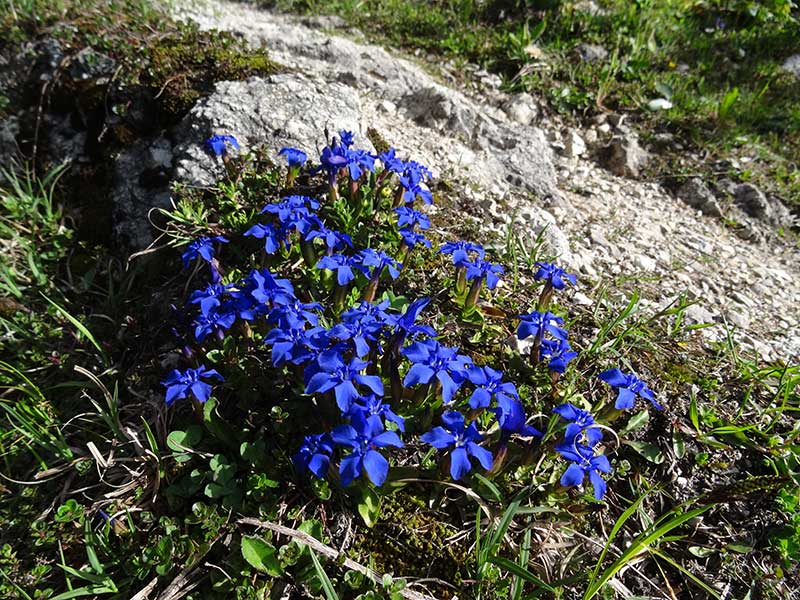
x=637 y=421
x=327 y=586
x=181 y=441
x=369 y=506
x=647 y=450
x=261 y=555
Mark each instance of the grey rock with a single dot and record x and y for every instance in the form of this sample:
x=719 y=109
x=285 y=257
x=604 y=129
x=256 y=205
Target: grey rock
x=739 y=318
x=591 y=52
x=696 y=313
x=521 y=108
x=644 y=262
x=140 y=185
x=574 y=146
x=792 y=65
x=696 y=194
x=623 y=156
x=752 y=201
x=90 y=64
x=9 y=130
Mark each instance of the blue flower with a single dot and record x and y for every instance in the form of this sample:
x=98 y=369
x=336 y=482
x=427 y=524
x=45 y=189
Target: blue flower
x=511 y=418
x=367 y=312
x=461 y=251
x=332 y=159
x=210 y=297
x=408 y=217
x=629 y=387
x=560 y=353
x=581 y=423
x=371 y=405
x=290 y=206
x=377 y=260
x=480 y=269
x=315 y=454
x=334 y=240
x=341 y=264
x=584 y=461
x=202 y=247
x=362 y=333
x=489 y=384
x=272 y=237
x=538 y=324
x=411 y=238
x=463 y=439
x=218 y=144
x=291 y=345
x=341 y=377
x=347 y=137
x=267 y=289
x=432 y=360
x=294 y=157
x=359 y=161
x=365 y=434
x=179 y=385
x=391 y=162
x=405 y=325
x=554 y=275
x=216 y=322
x=293 y=314
x=412 y=183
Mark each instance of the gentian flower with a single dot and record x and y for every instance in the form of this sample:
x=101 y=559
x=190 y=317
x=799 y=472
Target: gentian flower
x=463 y=439
x=432 y=360
x=359 y=161
x=411 y=185
x=289 y=206
x=293 y=314
x=179 y=385
x=368 y=312
x=202 y=247
x=332 y=159
x=291 y=345
x=341 y=264
x=347 y=137
x=553 y=275
x=315 y=454
x=377 y=260
x=295 y=158
x=334 y=240
x=218 y=144
x=511 y=418
x=365 y=434
x=391 y=162
x=272 y=237
x=210 y=297
x=489 y=384
x=372 y=405
x=538 y=324
x=560 y=353
x=405 y=325
x=629 y=386
x=581 y=423
x=584 y=460
x=460 y=252
x=481 y=269
x=216 y=322
x=341 y=377
x=411 y=238
x=362 y=333
x=408 y=217
x=267 y=289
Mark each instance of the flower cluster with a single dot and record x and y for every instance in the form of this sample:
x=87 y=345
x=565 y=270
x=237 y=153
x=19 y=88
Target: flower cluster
x=364 y=358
